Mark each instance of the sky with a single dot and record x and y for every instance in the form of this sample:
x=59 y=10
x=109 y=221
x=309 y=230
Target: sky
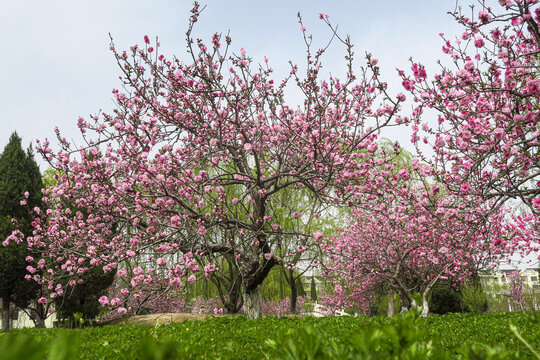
x=55 y=63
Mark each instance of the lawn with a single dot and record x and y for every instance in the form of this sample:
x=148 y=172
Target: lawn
x=461 y=336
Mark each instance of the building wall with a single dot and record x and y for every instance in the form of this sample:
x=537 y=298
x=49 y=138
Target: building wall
x=21 y=320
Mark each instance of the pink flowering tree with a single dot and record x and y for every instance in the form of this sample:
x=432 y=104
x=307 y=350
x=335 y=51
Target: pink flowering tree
x=486 y=140
x=516 y=291
x=406 y=237
x=151 y=297
x=192 y=161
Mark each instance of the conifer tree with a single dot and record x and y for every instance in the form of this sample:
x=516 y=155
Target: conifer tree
x=313 y=289
x=19 y=174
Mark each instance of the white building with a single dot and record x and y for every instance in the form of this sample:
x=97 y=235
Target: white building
x=20 y=319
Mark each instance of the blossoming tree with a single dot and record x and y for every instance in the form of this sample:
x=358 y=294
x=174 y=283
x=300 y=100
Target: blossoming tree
x=192 y=159
x=406 y=237
x=486 y=142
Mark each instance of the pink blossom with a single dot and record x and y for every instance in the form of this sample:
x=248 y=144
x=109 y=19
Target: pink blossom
x=479 y=42
x=210 y=268
x=122 y=272
x=104 y=301
x=484 y=16
x=268 y=256
x=122 y=311
x=218 y=311
x=498 y=133
x=161 y=261
x=202 y=230
x=404 y=174
x=116 y=301
x=465 y=188
x=372 y=148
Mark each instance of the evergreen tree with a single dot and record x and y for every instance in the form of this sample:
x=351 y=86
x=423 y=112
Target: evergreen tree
x=300 y=286
x=19 y=173
x=83 y=298
x=313 y=289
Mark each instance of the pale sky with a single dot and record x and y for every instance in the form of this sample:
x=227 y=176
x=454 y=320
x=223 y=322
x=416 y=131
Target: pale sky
x=55 y=64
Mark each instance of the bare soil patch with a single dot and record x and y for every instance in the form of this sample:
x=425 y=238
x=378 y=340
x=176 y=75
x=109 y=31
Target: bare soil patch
x=167 y=318
x=152 y=319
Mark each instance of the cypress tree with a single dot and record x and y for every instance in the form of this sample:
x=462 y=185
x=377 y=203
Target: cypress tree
x=19 y=173
x=300 y=286
x=313 y=289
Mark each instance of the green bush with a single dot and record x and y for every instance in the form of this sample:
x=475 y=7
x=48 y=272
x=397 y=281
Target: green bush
x=445 y=299
x=475 y=298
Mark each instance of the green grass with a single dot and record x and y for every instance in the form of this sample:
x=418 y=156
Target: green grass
x=468 y=336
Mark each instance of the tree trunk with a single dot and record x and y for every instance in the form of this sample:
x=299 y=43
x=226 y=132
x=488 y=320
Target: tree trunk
x=229 y=293
x=41 y=314
x=5 y=314
x=294 y=290
x=425 y=306
x=39 y=323
x=36 y=314
x=252 y=302
x=294 y=296
x=391 y=304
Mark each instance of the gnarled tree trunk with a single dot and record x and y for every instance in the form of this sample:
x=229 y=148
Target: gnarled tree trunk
x=252 y=302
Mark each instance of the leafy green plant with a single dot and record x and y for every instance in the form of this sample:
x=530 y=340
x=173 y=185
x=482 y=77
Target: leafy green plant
x=474 y=298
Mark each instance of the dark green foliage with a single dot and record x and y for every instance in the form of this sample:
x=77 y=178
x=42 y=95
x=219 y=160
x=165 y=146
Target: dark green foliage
x=456 y=336
x=445 y=299
x=300 y=286
x=83 y=298
x=313 y=290
x=19 y=173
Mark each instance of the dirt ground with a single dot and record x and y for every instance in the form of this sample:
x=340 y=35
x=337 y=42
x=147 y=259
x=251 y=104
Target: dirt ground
x=167 y=318
x=152 y=319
